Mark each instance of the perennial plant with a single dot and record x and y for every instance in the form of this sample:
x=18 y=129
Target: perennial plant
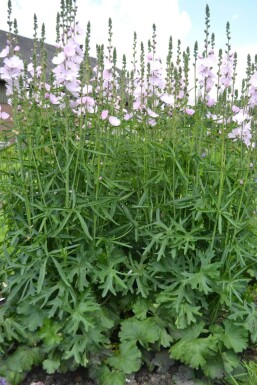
x=129 y=198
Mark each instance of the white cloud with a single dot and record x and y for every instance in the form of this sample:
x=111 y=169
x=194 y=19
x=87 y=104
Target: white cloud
x=127 y=16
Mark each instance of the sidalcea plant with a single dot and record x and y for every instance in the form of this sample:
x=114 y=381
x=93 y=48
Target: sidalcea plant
x=130 y=209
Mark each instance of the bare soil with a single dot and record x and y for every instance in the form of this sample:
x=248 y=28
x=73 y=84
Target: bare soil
x=176 y=375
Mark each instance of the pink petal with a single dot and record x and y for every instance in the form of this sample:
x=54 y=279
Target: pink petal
x=104 y=114
x=114 y=121
x=4 y=115
x=59 y=58
x=5 y=51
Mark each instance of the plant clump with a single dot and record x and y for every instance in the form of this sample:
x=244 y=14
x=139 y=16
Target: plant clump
x=129 y=200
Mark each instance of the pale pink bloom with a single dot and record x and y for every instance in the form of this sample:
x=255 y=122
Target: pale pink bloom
x=243 y=133
x=152 y=122
x=210 y=102
x=137 y=105
x=104 y=114
x=167 y=99
x=5 y=51
x=156 y=81
x=128 y=116
x=14 y=62
x=114 y=121
x=107 y=75
x=77 y=59
x=73 y=104
x=152 y=113
x=241 y=116
x=69 y=49
x=12 y=69
x=59 y=58
x=235 y=109
x=47 y=87
x=54 y=99
x=16 y=48
x=3 y=115
x=189 y=111
x=79 y=34
x=72 y=86
x=253 y=80
x=89 y=103
x=149 y=56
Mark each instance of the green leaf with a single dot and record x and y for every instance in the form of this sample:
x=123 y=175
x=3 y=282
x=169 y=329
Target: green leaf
x=214 y=367
x=77 y=350
x=143 y=331
x=235 y=336
x=24 y=358
x=251 y=322
x=194 y=352
x=51 y=365
x=230 y=361
x=128 y=359
x=61 y=273
x=50 y=333
x=140 y=308
x=83 y=225
x=32 y=315
x=186 y=315
x=15 y=378
x=111 y=377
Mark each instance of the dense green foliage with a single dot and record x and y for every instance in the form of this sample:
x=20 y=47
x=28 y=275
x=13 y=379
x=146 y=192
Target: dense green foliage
x=127 y=242
x=126 y=239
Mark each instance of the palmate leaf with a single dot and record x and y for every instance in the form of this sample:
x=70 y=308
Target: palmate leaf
x=24 y=358
x=31 y=315
x=230 y=361
x=51 y=365
x=77 y=350
x=143 y=331
x=186 y=315
x=50 y=333
x=194 y=352
x=111 y=377
x=235 y=336
x=251 y=322
x=128 y=359
x=214 y=367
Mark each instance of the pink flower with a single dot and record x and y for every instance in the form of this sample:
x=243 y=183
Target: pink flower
x=54 y=99
x=69 y=49
x=3 y=115
x=13 y=67
x=104 y=114
x=128 y=116
x=189 y=111
x=152 y=113
x=210 y=102
x=243 y=133
x=152 y=122
x=59 y=58
x=235 y=109
x=167 y=99
x=114 y=121
x=5 y=51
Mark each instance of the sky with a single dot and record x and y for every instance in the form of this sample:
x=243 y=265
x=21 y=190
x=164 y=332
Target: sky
x=183 y=19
